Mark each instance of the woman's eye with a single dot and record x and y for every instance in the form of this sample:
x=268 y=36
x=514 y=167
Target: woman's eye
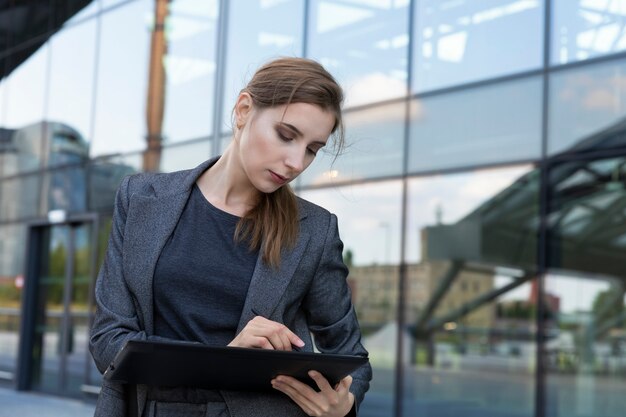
x=283 y=137
x=312 y=151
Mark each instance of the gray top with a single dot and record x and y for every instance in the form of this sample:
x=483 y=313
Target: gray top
x=202 y=276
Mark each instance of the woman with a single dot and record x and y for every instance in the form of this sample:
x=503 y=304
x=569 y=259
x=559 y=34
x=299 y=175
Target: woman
x=226 y=254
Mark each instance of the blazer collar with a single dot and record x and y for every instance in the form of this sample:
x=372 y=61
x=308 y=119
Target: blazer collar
x=166 y=187
x=161 y=212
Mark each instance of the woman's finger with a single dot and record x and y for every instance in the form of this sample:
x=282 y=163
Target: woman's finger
x=300 y=393
x=266 y=334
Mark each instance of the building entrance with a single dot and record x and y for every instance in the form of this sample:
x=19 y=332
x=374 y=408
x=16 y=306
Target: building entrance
x=57 y=307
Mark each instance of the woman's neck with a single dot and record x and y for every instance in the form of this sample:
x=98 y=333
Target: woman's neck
x=227 y=186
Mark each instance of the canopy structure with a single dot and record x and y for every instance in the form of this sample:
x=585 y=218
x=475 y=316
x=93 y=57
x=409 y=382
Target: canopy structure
x=586 y=228
x=26 y=25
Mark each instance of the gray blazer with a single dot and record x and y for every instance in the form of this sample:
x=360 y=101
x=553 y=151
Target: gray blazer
x=308 y=293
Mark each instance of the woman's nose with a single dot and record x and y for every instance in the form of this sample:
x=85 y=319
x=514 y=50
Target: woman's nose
x=295 y=160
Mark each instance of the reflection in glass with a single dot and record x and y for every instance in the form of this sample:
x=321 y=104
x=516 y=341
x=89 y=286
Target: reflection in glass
x=369 y=225
x=12 y=251
x=104 y=176
x=19 y=197
x=119 y=124
x=587 y=347
x=72 y=63
x=190 y=69
x=495 y=123
x=50 y=338
x=185 y=156
x=584 y=29
x=64 y=189
x=374 y=147
x=258 y=30
x=454 y=41
x=587 y=108
x=44 y=144
x=78 y=321
x=471 y=293
x=25 y=90
x=364 y=44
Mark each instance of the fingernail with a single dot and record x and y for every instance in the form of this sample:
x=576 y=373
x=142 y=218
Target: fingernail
x=300 y=343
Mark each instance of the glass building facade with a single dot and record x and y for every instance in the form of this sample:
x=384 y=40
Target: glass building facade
x=481 y=199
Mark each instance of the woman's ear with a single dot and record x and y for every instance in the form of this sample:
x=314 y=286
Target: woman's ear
x=243 y=109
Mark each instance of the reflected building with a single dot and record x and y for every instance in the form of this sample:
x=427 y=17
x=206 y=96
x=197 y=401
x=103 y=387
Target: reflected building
x=481 y=195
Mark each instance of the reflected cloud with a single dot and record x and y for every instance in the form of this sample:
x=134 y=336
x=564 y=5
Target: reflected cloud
x=182 y=69
x=601 y=100
x=451 y=48
x=505 y=10
x=374 y=86
x=268 y=4
x=266 y=39
x=181 y=28
x=336 y=16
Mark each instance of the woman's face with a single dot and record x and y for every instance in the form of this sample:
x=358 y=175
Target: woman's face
x=277 y=144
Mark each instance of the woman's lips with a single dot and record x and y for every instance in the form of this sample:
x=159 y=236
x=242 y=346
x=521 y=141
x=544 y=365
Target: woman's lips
x=279 y=179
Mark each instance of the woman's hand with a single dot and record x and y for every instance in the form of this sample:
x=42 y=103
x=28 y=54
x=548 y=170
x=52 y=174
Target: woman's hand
x=329 y=402
x=266 y=334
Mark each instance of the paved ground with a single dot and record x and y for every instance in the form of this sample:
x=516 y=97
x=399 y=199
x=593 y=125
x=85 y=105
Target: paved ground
x=27 y=404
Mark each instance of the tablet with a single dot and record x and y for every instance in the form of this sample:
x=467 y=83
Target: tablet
x=230 y=368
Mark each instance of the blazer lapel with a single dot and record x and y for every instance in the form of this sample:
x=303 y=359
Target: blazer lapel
x=148 y=229
x=268 y=285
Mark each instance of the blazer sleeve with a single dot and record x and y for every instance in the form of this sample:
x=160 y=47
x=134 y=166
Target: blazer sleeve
x=331 y=315
x=117 y=317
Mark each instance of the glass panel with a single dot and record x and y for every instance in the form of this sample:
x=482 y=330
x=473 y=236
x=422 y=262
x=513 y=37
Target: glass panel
x=375 y=146
x=587 y=108
x=26 y=91
x=49 y=333
x=471 y=255
x=12 y=249
x=65 y=190
x=77 y=349
x=586 y=289
x=105 y=175
x=71 y=78
x=190 y=69
x=369 y=225
x=3 y=100
x=495 y=123
x=257 y=31
x=186 y=156
x=27 y=150
x=455 y=39
x=364 y=44
x=64 y=145
x=19 y=197
x=106 y=4
x=584 y=29
x=120 y=124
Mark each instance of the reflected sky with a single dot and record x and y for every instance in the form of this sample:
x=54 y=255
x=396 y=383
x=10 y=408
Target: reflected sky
x=120 y=121
x=585 y=101
x=586 y=29
x=447 y=199
x=71 y=80
x=455 y=38
x=23 y=89
x=364 y=43
x=369 y=219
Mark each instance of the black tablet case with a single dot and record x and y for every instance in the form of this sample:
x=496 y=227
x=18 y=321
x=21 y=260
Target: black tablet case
x=231 y=368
